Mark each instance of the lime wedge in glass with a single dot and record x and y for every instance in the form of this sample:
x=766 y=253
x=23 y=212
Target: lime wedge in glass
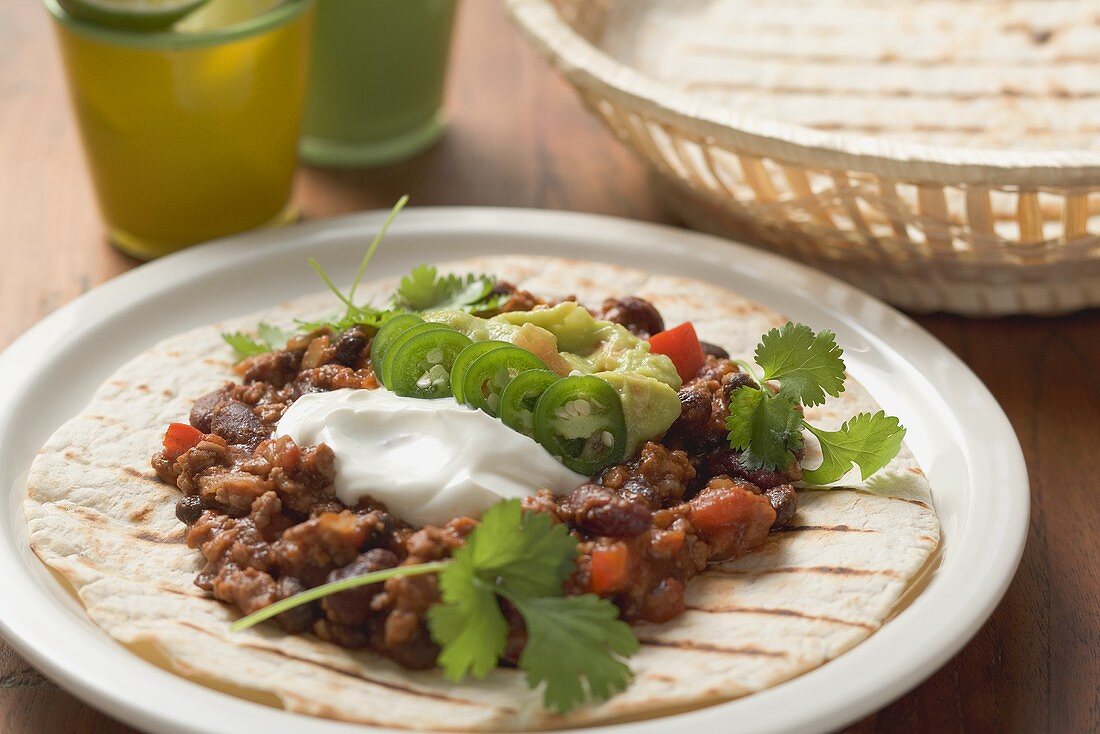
x=223 y=14
x=135 y=15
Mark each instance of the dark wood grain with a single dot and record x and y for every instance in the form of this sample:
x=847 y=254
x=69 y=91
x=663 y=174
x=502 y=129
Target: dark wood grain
x=520 y=138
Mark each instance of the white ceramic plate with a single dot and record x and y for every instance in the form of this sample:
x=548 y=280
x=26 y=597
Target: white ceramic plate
x=956 y=429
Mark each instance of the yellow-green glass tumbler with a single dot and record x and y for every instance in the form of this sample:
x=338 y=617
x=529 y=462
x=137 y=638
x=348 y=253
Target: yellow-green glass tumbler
x=189 y=135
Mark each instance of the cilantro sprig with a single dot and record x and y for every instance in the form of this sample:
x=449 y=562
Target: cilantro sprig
x=268 y=338
x=424 y=289
x=766 y=424
x=576 y=645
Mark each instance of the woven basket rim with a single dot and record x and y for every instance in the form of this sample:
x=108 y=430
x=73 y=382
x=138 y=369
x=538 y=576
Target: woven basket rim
x=590 y=67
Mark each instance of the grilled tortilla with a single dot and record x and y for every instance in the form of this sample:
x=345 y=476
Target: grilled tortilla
x=99 y=517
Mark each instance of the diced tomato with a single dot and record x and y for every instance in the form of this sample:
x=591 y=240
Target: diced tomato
x=731 y=519
x=610 y=570
x=179 y=438
x=681 y=345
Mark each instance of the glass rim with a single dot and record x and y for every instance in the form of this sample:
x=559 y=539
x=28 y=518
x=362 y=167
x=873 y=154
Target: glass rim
x=279 y=15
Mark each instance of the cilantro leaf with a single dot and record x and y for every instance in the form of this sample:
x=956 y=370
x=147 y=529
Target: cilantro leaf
x=527 y=553
x=765 y=426
x=575 y=645
x=468 y=625
x=424 y=289
x=269 y=338
x=807 y=365
x=868 y=440
x=272 y=336
x=243 y=344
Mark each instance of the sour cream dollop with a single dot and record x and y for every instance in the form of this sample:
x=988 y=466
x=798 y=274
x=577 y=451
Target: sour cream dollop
x=427 y=460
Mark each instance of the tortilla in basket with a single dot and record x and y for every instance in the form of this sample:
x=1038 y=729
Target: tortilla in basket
x=98 y=516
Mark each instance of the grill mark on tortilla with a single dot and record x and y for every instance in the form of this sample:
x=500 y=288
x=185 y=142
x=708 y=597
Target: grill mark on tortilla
x=717 y=85
x=826 y=58
x=857 y=490
x=837 y=570
x=136 y=474
x=151 y=537
x=94 y=517
x=661 y=678
x=141 y=514
x=822 y=528
x=708 y=647
x=929 y=128
x=189 y=595
x=780 y=613
x=349 y=674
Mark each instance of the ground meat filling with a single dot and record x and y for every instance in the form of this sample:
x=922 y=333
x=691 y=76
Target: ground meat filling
x=263 y=512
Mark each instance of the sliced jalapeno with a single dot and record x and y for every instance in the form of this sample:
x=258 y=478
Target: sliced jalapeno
x=580 y=420
x=518 y=401
x=391 y=351
x=489 y=374
x=469 y=354
x=384 y=339
x=421 y=365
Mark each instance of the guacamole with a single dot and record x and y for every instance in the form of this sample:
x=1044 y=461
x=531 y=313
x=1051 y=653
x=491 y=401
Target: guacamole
x=570 y=339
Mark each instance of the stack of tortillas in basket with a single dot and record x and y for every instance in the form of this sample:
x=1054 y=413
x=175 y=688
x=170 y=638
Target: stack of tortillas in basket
x=970 y=73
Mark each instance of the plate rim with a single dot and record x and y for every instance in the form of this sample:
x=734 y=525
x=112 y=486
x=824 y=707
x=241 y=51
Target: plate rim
x=200 y=261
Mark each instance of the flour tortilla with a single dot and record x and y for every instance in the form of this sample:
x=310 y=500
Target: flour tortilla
x=974 y=74
x=99 y=517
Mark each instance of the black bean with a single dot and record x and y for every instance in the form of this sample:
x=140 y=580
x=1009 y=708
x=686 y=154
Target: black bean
x=728 y=462
x=237 y=424
x=638 y=315
x=785 y=502
x=734 y=380
x=714 y=350
x=600 y=511
x=350 y=347
x=202 y=412
x=352 y=607
x=695 y=408
x=189 y=509
x=300 y=618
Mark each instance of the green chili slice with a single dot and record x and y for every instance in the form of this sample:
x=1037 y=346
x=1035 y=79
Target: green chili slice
x=489 y=374
x=421 y=366
x=580 y=420
x=384 y=339
x=391 y=350
x=469 y=354
x=518 y=401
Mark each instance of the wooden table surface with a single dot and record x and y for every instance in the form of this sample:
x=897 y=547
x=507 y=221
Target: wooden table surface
x=519 y=137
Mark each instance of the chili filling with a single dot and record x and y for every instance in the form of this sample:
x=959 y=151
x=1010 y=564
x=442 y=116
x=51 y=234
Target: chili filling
x=264 y=515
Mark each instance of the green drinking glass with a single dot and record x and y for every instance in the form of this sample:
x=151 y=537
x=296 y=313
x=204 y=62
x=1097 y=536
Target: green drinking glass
x=376 y=80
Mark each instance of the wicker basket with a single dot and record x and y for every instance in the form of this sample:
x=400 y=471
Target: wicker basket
x=976 y=232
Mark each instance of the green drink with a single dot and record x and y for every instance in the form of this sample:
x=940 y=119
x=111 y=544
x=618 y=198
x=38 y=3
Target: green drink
x=376 y=80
